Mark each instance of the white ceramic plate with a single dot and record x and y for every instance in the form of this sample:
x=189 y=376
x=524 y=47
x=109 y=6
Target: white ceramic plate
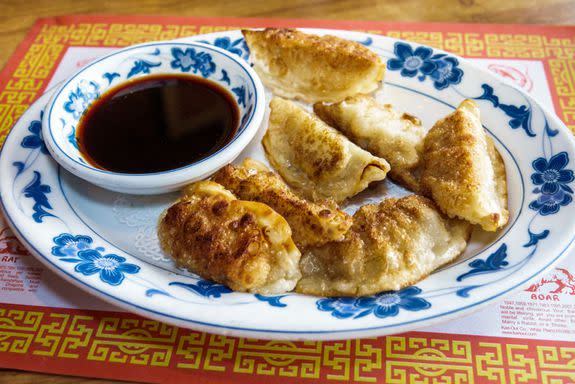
x=105 y=242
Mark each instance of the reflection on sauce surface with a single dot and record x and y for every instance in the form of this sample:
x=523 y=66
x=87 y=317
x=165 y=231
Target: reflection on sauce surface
x=157 y=123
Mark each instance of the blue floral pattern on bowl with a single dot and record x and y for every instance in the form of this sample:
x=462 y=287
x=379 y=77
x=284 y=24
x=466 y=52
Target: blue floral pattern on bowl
x=189 y=59
x=236 y=46
x=80 y=98
x=195 y=59
x=181 y=58
x=140 y=67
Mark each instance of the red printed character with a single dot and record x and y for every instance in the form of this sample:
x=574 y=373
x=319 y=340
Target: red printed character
x=562 y=280
x=9 y=244
x=518 y=77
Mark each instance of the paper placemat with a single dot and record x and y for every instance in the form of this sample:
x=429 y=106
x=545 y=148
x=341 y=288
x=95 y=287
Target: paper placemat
x=51 y=326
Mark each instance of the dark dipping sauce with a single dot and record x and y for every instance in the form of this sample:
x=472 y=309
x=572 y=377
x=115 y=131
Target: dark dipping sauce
x=157 y=123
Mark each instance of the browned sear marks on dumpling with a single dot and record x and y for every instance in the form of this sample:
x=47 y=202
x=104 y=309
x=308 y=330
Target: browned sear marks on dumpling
x=316 y=159
x=313 y=68
x=250 y=242
x=463 y=172
x=312 y=224
x=242 y=244
x=380 y=129
x=391 y=245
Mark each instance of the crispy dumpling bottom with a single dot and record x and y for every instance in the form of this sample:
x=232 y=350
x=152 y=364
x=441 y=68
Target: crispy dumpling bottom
x=242 y=244
x=312 y=224
x=391 y=245
x=463 y=171
x=382 y=130
x=311 y=68
x=314 y=158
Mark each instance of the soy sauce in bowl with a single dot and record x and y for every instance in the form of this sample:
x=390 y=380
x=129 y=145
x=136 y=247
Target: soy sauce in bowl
x=157 y=123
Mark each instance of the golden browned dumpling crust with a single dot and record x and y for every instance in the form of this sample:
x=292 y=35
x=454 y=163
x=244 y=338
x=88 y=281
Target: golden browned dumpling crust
x=311 y=224
x=463 y=172
x=380 y=129
x=242 y=244
x=391 y=245
x=313 y=68
x=316 y=159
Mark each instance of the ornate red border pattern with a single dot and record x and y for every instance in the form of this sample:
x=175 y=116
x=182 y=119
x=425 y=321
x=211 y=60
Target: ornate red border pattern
x=103 y=344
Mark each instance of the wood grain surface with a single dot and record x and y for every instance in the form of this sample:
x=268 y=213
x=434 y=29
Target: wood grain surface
x=17 y=16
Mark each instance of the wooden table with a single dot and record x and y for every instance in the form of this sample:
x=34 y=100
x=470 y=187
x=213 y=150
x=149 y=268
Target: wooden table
x=17 y=16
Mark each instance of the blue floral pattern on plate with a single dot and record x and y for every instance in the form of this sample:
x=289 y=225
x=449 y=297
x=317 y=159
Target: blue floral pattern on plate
x=37 y=191
x=520 y=116
x=89 y=261
x=411 y=62
x=34 y=140
x=441 y=68
x=204 y=288
x=111 y=268
x=551 y=175
x=69 y=245
x=384 y=304
x=494 y=262
x=550 y=204
x=545 y=177
x=552 y=178
x=274 y=301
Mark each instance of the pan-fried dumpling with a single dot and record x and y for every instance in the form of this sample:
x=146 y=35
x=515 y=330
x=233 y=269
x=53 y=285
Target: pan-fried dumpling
x=463 y=172
x=391 y=245
x=315 y=158
x=311 y=224
x=381 y=130
x=242 y=244
x=313 y=68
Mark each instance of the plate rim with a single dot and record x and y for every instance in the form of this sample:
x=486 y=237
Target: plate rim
x=257 y=333
x=279 y=334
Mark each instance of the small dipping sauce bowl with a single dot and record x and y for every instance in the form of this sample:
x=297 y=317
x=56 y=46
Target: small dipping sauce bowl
x=75 y=96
